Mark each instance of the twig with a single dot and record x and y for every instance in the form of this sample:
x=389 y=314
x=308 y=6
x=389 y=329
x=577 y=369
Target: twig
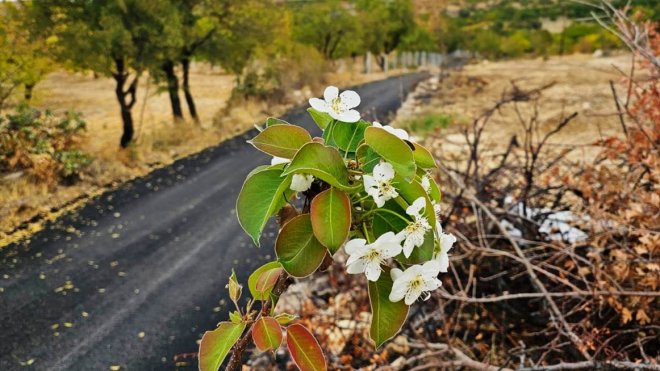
x=556 y=314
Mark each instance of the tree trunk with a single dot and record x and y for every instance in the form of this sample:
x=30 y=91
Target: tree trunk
x=173 y=90
x=185 y=65
x=121 y=77
x=27 y=94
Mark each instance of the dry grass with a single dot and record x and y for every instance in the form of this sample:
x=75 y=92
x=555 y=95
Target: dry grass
x=581 y=84
x=159 y=141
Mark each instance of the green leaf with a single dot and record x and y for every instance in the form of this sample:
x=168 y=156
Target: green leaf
x=412 y=191
x=384 y=221
x=264 y=192
x=216 y=344
x=387 y=317
x=281 y=140
x=304 y=349
x=275 y=121
x=267 y=334
x=347 y=136
x=367 y=157
x=285 y=318
x=235 y=317
x=321 y=119
x=393 y=150
x=330 y=213
x=263 y=279
x=423 y=157
x=322 y=162
x=297 y=249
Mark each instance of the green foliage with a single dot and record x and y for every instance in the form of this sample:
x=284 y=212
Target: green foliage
x=25 y=58
x=428 y=123
x=324 y=162
x=393 y=150
x=215 y=345
x=252 y=208
x=46 y=145
x=330 y=213
x=281 y=140
x=297 y=249
x=262 y=281
x=387 y=317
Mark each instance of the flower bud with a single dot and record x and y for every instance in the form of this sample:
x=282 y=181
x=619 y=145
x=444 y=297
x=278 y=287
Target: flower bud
x=234 y=287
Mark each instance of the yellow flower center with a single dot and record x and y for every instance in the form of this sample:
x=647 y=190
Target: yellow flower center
x=336 y=104
x=417 y=282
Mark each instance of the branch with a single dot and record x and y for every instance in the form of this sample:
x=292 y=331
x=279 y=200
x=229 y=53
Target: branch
x=556 y=314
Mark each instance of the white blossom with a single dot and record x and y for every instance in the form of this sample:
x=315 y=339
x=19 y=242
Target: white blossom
x=339 y=106
x=379 y=184
x=279 y=160
x=447 y=241
x=368 y=258
x=413 y=234
x=415 y=281
x=426 y=183
x=400 y=133
x=301 y=182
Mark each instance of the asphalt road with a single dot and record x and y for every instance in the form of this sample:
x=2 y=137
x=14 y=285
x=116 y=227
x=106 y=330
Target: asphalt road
x=137 y=275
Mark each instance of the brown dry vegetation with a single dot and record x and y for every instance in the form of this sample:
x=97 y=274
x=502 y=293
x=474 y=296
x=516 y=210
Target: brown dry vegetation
x=159 y=141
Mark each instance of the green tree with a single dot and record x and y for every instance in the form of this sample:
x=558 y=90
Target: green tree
x=24 y=56
x=329 y=26
x=387 y=23
x=117 y=39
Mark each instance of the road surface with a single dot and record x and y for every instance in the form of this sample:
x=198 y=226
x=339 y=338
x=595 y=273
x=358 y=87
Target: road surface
x=137 y=275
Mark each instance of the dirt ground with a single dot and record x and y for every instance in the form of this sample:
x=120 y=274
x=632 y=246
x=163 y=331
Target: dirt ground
x=581 y=84
x=158 y=140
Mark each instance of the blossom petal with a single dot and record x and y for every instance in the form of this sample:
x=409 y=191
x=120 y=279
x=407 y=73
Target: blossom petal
x=372 y=271
x=349 y=116
x=447 y=241
x=330 y=93
x=279 y=160
x=356 y=268
x=431 y=268
x=443 y=260
x=318 y=104
x=398 y=290
x=377 y=124
x=412 y=295
x=349 y=99
x=301 y=182
x=384 y=171
x=417 y=206
x=395 y=273
x=399 y=133
x=426 y=184
x=354 y=245
x=432 y=284
x=408 y=246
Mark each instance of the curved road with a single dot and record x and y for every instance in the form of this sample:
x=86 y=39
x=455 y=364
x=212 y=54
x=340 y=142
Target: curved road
x=137 y=275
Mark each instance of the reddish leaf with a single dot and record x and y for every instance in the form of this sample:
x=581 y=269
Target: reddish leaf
x=267 y=280
x=267 y=334
x=304 y=349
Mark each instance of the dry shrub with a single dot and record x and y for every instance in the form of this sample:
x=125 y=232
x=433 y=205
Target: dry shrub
x=42 y=144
